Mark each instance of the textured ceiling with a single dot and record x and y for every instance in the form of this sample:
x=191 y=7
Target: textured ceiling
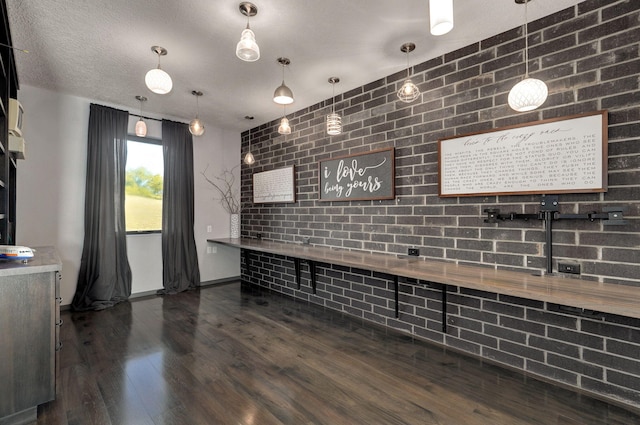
x=101 y=49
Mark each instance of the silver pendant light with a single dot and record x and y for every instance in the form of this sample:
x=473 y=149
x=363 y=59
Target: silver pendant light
x=409 y=91
x=283 y=94
x=247 y=49
x=529 y=93
x=156 y=79
x=195 y=126
x=334 y=121
x=141 y=126
x=249 y=159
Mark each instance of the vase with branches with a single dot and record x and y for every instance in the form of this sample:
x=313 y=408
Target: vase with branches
x=228 y=195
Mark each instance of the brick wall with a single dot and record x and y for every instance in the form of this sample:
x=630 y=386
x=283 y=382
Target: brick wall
x=589 y=56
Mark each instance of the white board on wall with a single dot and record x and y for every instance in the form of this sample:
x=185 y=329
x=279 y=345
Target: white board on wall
x=559 y=155
x=274 y=186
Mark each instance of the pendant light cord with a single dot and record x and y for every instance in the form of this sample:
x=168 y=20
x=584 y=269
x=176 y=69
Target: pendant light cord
x=333 y=97
x=408 y=67
x=526 y=40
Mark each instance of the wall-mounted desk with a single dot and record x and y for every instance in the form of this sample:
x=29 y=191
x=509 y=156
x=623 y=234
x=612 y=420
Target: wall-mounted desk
x=579 y=293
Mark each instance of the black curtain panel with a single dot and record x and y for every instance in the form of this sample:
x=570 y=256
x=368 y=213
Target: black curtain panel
x=180 y=270
x=105 y=276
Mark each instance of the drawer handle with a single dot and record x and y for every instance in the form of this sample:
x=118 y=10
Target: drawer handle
x=59 y=346
x=59 y=322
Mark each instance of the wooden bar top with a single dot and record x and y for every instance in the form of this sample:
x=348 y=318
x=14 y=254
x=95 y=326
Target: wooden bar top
x=585 y=294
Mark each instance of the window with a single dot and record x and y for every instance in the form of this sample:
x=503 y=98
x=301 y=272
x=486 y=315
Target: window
x=143 y=187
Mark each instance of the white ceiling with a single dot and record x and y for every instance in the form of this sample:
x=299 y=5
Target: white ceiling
x=101 y=49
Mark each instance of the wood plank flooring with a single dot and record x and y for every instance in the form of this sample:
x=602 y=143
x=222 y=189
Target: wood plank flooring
x=232 y=355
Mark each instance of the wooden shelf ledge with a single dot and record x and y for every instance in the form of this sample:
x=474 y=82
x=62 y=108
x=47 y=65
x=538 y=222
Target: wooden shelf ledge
x=584 y=294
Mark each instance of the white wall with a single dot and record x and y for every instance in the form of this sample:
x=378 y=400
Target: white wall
x=51 y=189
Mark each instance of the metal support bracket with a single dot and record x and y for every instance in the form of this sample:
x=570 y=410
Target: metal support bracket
x=296 y=262
x=247 y=262
x=444 y=308
x=312 y=272
x=396 y=293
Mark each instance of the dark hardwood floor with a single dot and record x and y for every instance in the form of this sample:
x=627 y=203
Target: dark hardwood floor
x=222 y=355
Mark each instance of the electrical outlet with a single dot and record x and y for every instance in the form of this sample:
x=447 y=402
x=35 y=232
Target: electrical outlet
x=209 y=229
x=414 y=252
x=569 y=268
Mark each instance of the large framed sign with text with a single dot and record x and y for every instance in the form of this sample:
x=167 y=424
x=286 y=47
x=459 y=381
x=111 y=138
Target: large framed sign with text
x=364 y=176
x=559 y=155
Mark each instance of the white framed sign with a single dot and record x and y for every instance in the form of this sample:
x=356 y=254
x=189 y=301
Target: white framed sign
x=275 y=186
x=559 y=155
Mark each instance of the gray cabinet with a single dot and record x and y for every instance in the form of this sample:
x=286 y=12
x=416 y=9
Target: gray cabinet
x=29 y=335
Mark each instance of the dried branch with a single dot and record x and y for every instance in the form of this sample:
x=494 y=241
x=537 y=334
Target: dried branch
x=224 y=185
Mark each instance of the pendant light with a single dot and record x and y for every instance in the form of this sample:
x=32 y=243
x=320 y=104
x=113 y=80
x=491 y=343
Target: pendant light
x=440 y=16
x=247 y=49
x=141 y=126
x=156 y=79
x=409 y=91
x=284 y=127
x=283 y=94
x=195 y=126
x=249 y=158
x=334 y=121
x=529 y=93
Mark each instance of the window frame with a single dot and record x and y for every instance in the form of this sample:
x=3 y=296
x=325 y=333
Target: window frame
x=151 y=141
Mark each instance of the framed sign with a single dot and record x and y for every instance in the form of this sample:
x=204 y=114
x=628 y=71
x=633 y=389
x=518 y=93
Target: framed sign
x=559 y=155
x=366 y=176
x=275 y=186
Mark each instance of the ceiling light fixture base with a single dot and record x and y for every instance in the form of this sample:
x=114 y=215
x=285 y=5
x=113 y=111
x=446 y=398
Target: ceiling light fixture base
x=160 y=51
x=407 y=47
x=248 y=9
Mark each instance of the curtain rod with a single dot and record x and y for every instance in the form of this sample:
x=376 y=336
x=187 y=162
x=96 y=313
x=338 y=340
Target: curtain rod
x=146 y=118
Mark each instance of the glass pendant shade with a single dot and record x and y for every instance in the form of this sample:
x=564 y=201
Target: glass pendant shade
x=249 y=159
x=334 y=124
x=283 y=95
x=247 y=48
x=441 y=16
x=408 y=92
x=528 y=95
x=196 y=127
x=284 y=127
x=141 y=128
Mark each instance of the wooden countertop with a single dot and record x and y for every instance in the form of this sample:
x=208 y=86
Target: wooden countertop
x=590 y=295
x=45 y=259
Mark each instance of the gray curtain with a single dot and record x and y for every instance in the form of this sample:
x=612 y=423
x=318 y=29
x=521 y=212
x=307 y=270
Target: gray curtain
x=105 y=277
x=180 y=270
